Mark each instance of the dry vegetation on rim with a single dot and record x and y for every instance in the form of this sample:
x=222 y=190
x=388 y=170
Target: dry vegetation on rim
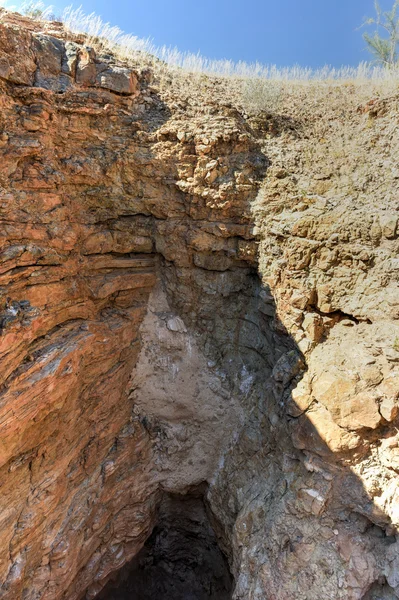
x=253 y=87
x=313 y=111
x=319 y=129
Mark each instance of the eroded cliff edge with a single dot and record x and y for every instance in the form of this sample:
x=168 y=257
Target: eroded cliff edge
x=193 y=296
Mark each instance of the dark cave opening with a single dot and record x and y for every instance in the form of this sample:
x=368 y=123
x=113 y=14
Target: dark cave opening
x=181 y=560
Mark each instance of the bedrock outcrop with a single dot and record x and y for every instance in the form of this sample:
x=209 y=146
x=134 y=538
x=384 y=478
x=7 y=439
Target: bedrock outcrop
x=189 y=302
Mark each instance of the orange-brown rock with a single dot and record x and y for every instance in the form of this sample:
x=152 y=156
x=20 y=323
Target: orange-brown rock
x=90 y=201
x=166 y=328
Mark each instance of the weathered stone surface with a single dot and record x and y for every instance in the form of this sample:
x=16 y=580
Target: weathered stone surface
x=80 y=469
x=117 y=79
x=162 y=327
x=50 y=57
x=92 y=72
x=17 y=60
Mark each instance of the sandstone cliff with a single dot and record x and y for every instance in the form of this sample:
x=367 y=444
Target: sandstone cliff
x=195 y=303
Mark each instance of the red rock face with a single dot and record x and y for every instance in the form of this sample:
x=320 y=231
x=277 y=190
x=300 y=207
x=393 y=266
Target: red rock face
x=89 y=172
x=72 y=304
x=74 y=288
x=142 y=351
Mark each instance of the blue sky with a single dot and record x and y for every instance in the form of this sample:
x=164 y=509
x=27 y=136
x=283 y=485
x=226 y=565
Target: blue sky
x=283 y=32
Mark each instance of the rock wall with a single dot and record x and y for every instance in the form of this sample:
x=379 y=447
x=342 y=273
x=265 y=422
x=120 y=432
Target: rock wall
x=180 y=561
x=176 y=311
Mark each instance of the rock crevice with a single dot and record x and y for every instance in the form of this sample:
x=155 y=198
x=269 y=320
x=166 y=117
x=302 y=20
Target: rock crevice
x=158 y=329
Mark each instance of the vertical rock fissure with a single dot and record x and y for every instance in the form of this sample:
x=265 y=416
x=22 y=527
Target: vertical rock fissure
x=181 y=560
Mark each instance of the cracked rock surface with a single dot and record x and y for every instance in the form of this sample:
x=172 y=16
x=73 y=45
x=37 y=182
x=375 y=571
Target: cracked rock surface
x=192 y=298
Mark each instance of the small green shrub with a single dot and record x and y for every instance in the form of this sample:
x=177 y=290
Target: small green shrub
x=37 y=10
x=384 y=47
x=261 y=95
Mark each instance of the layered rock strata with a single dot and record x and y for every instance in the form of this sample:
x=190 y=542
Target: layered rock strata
x=165 y=325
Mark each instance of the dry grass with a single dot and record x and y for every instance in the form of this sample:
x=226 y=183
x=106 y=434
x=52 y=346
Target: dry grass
x=128 y=46
x=255 y=86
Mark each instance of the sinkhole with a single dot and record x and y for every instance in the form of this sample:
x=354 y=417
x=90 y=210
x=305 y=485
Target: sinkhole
x=181 y=560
